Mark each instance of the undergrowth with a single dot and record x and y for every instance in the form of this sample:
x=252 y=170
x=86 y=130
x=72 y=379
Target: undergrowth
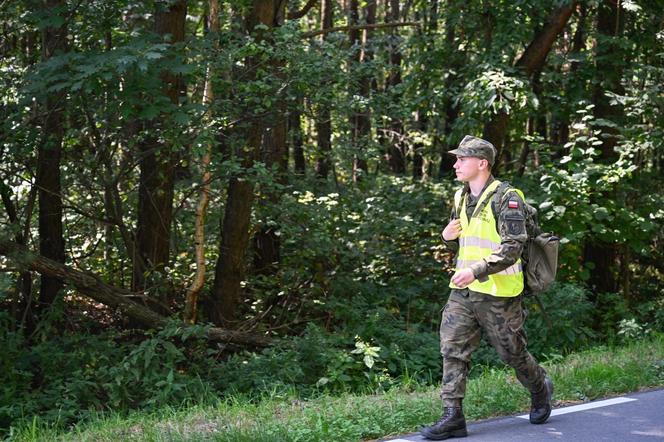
x=587 y=375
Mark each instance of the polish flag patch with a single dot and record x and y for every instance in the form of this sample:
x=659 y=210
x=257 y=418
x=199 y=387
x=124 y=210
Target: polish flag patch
x=513 y=204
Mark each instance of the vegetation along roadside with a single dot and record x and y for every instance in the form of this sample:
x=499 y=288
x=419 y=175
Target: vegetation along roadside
x=592 y=374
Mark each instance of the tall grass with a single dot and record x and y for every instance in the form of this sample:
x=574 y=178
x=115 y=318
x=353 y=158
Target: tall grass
x=596 y=373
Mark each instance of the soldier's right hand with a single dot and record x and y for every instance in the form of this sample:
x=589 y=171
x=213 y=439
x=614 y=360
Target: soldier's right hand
x=452 y=230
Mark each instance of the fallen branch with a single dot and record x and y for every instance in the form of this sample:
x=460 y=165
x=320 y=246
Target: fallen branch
x=118 y=298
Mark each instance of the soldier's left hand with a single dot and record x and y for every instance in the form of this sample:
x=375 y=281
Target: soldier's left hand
x=463 y=278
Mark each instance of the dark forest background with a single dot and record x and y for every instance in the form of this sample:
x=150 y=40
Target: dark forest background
x=202 y=198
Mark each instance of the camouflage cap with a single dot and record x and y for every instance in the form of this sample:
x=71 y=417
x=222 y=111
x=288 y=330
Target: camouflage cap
x=475 y=147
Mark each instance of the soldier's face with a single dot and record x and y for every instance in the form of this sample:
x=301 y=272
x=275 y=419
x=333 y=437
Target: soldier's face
x=468 y=168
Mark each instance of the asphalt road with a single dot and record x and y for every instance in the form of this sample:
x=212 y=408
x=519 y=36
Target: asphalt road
x=633 y=417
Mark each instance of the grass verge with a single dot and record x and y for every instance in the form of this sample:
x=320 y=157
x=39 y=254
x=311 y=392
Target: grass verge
x=589 y=375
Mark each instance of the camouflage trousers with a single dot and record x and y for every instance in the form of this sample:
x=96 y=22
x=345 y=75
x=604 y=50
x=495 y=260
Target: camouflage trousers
x=466 y=315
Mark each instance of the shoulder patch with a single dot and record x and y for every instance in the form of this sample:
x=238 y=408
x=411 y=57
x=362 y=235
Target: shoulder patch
x=515 y=226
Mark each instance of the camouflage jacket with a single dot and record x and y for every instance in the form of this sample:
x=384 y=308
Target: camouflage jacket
x=511 y=225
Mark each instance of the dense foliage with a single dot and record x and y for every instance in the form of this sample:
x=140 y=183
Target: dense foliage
x=323 y=157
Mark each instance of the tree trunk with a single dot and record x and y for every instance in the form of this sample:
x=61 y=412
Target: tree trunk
x=603 y=274
x=324 y=141
x=488 y=22
x=609 y=65
x=447 y=161
x=266 y=250
x=324 y=118
x=230 y=269
x=191 y=297
x=157 y=164
x=610 y=60
x=296 y=137
x=360 y=121
x=274 y=145
x=530 y=61
x=534 y=56
x=429 y=16
x=266 y=241
x=494 y=132
x=535 y=125
x=396 y=154
x=51 y=241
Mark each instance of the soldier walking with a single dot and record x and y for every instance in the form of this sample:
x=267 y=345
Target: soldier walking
x=485 y=288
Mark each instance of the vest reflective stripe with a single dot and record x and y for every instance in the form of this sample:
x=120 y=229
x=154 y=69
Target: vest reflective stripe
x=478 y=240
x=474 y=241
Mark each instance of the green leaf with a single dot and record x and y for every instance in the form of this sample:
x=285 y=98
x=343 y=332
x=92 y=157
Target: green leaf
x=601 y=213
x=149 y=112
x=181 y=118
x=153 y=55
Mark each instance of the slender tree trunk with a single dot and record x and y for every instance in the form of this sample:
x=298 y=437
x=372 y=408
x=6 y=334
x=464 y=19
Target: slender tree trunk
x=324 y=142
x=489 y=22
x=191 y=297
x=610 y=60
x=421 y=123
x=451 y=109
x=534 y=125
x=324 y=118
x=396 y=154
x=609 y=65
x=280 y=143
x=157 y=164
x=51 y=241
x=296 y=137
x=266 y=240
x=579 y=39
x=361 y=119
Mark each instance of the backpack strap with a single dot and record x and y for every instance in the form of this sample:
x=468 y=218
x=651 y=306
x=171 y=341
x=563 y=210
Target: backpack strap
x=458 y=198
x=491 y=196
x=495 y=197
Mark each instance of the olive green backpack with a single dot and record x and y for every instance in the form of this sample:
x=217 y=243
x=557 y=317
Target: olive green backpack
x=539 y=257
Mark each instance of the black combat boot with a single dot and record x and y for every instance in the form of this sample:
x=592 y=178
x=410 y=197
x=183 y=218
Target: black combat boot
x=451 y=424
x=540 y=408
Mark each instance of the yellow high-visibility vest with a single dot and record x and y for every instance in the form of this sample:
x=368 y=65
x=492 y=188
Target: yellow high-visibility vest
x=479 y=238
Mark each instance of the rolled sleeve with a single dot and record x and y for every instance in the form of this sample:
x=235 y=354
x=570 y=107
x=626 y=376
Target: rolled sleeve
x=480 y=270
x=451 y=245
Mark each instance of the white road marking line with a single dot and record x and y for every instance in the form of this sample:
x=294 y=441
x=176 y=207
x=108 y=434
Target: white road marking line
x=399 y=440
x=589 y=406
